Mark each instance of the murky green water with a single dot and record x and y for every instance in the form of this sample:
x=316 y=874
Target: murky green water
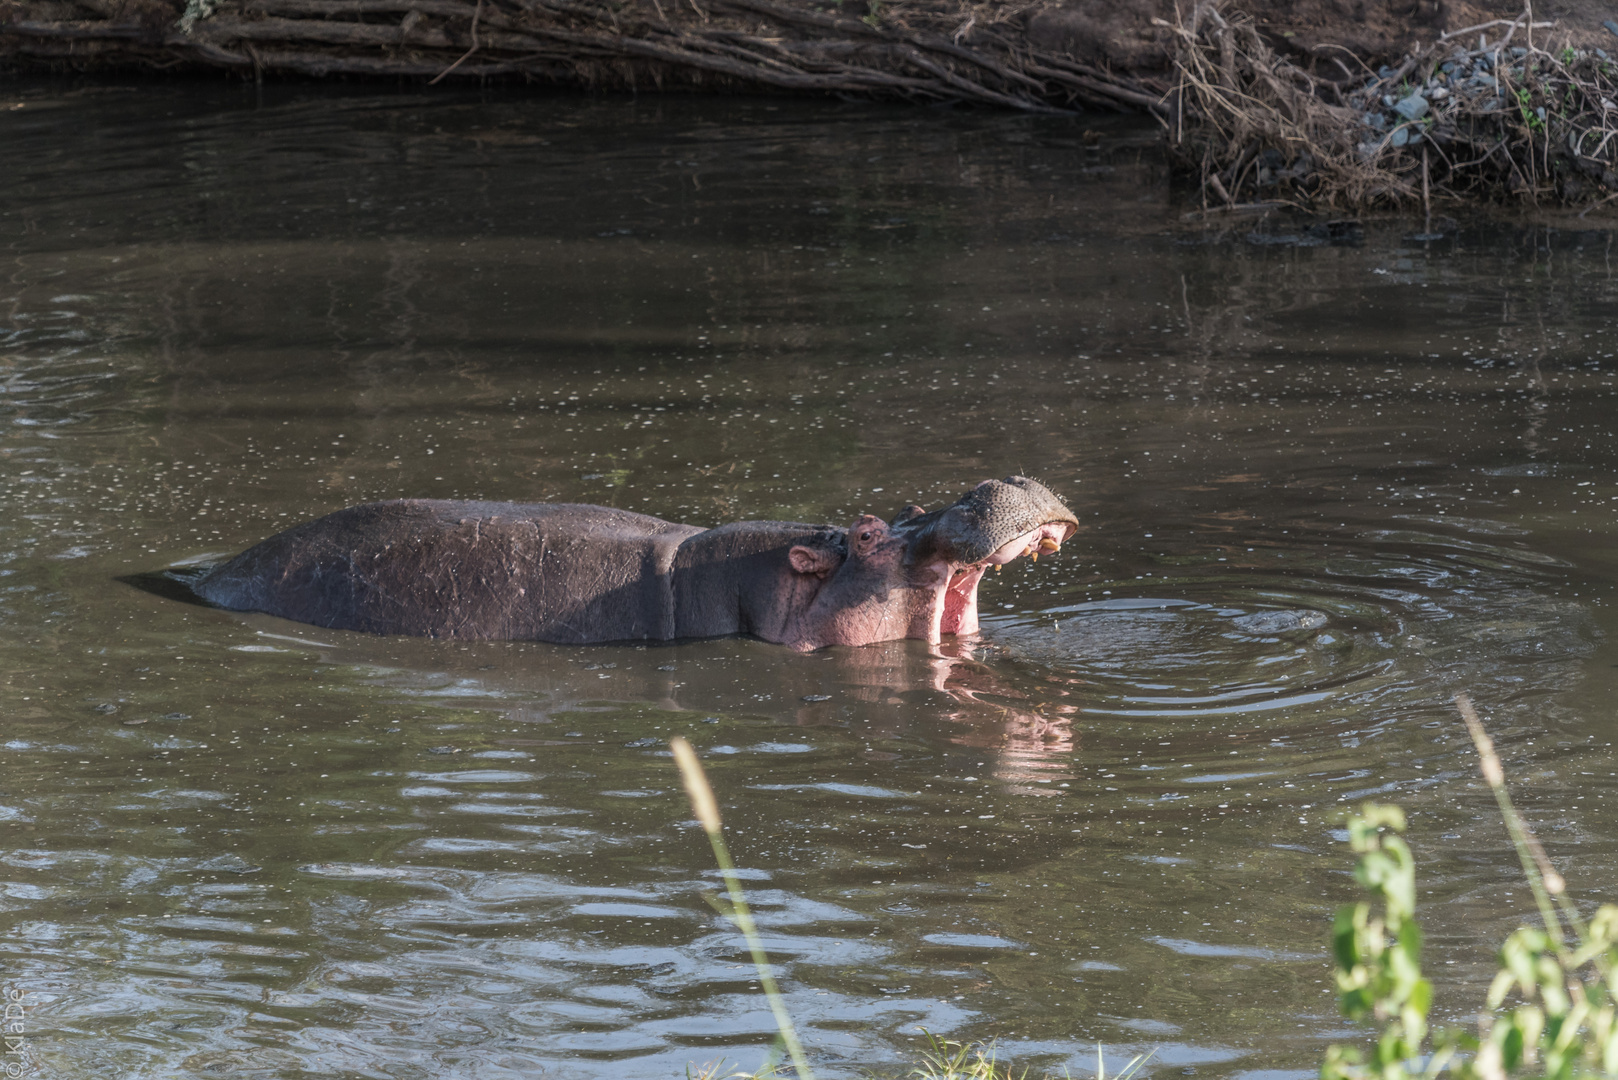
x=1327 y=483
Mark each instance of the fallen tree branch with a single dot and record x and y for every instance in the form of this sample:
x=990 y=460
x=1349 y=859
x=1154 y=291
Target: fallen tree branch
x=929 y=50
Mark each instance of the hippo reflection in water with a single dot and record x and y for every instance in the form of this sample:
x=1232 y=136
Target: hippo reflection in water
x=573 y=573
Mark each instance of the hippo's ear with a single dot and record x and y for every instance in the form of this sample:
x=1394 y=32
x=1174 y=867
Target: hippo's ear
x=813 y=560
x=909 y=513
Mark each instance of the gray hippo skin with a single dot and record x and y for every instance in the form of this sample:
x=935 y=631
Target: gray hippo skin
x=573 y=573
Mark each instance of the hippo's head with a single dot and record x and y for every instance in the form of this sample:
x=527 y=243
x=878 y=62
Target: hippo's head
x=918 y=576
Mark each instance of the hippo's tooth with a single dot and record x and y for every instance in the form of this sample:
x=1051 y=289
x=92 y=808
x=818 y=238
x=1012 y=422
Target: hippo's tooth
x=1034 y=555
x=1049 y=545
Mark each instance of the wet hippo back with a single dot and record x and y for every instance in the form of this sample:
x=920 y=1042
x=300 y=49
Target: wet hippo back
x=562 y=572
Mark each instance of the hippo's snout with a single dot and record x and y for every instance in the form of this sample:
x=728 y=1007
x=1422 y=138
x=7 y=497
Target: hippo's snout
x=995 y=522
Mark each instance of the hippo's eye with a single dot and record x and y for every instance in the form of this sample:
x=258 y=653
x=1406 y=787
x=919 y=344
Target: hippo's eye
x=865 y=536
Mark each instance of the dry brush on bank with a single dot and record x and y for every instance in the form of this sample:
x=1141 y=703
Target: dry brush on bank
x=931 y=50
x=1509 y=108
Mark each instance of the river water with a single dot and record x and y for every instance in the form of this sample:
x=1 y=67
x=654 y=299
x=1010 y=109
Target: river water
x=1329 y=477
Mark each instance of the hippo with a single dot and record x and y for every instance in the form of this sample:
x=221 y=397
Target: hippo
x=574 y=574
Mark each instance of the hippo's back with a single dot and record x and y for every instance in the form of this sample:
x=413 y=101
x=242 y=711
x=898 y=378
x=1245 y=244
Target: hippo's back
x=561 y=572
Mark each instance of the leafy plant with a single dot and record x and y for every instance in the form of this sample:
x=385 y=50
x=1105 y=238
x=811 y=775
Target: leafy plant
x=1529 y=116
x=1563 y=974
x=716 y=1071
x=945 y=1059
x=1379 y=954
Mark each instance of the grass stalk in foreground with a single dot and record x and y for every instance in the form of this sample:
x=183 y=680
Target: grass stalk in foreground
x=706 y=809
x=1543 y=879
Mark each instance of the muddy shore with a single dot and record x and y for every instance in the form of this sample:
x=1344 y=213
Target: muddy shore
x=1344 y=103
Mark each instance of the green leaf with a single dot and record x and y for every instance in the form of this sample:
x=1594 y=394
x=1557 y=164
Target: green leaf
x=1499 y=988
x=1511 y=1044
x=1421 y=996
x=1345 y=934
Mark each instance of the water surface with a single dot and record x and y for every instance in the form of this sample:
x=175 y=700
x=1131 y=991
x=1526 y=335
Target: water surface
x=1328 y=479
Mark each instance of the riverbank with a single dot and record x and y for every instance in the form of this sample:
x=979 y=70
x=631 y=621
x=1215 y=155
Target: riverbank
x=1321 y=103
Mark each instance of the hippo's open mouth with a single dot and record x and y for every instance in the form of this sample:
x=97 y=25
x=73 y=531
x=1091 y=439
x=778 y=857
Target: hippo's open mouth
x=950 y=549
x=957 y=608
x=960 y=601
